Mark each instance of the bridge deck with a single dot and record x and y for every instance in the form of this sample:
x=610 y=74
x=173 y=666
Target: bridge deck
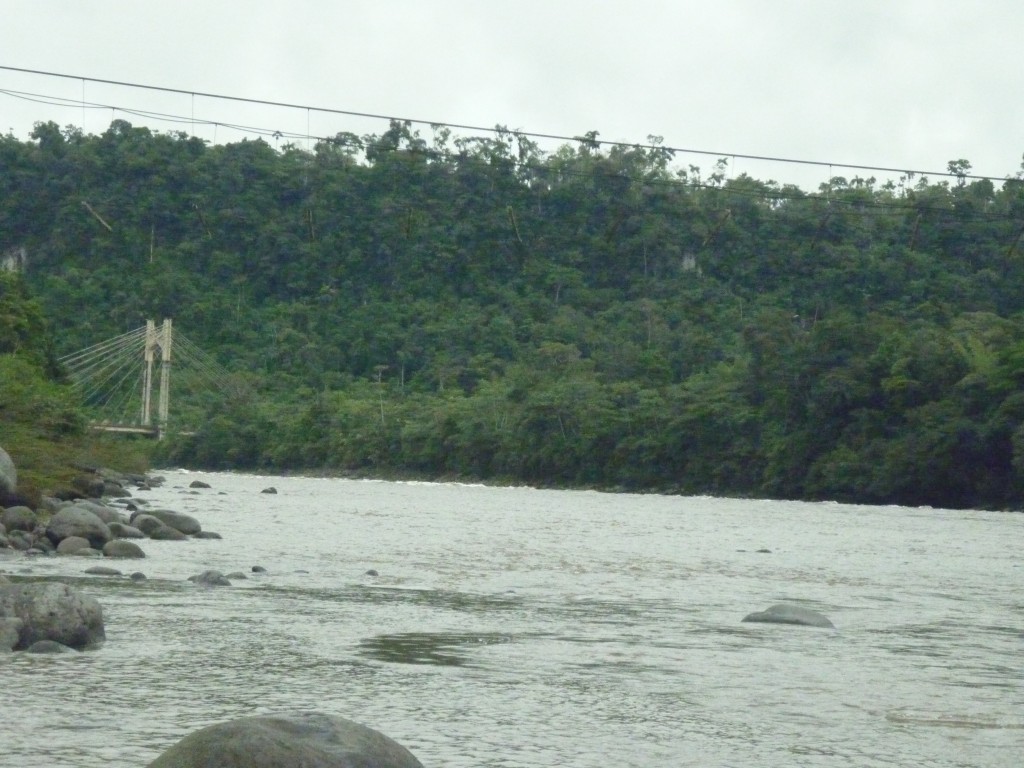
x=127 y=429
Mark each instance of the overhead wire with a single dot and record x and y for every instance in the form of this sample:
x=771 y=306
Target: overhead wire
x=787 y=192
x=768 y=192
x=498 y=129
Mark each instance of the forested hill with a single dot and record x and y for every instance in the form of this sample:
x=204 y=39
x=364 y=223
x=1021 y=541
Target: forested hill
x=594 y=316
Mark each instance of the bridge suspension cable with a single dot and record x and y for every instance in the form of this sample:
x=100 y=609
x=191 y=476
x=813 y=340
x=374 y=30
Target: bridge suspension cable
x=116 y=377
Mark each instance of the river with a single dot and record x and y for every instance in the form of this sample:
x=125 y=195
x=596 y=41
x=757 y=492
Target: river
x=516 y=627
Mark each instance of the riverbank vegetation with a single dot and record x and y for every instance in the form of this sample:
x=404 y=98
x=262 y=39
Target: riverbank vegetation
x=42 y=424
x=600 y=315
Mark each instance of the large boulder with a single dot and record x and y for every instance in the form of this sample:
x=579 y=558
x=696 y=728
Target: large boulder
x=18 y=518
x=122 y=548
x=8 y=474
x=78 y=521
x=115 y=490
x=308 y=739
x=145 y=523
x=89 y=486
x=104 y=512
x=72 y=544
x=122 y=531
x=156 y=529
x=52 y=611
x=20 y=540
x=178 y=521
x=166 y=533
x=784 y=613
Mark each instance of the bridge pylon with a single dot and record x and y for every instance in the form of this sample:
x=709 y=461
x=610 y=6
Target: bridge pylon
x=157 y=340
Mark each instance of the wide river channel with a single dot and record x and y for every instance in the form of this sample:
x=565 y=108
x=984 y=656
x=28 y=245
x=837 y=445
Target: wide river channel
x=517 y=627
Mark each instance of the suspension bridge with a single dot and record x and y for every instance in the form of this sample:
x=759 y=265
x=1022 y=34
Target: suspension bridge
x=119 y=379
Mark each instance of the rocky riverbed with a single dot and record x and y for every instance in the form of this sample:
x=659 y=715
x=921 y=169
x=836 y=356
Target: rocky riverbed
x=101 y=519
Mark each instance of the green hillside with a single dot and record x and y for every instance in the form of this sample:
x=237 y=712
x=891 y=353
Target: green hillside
x=601 y=316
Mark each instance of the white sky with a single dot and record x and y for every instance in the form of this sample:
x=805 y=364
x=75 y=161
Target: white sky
x=909 y=84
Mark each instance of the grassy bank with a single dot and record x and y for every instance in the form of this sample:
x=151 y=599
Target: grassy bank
x=46 y=465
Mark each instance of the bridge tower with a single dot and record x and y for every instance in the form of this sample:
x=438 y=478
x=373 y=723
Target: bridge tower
x=157 y=340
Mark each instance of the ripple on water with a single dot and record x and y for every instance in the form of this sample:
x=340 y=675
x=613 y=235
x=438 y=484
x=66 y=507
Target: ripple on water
x=947 y=720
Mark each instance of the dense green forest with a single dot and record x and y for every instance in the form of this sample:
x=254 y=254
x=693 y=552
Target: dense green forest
x=597 y=315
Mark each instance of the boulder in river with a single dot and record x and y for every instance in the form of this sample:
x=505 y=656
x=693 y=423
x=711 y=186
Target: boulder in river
x=122 y=548
x=180 y=522
x=71 y=545
x=155 y=528
x=309 y=739
x=122 y=531
x=784 y=613
x=166 y=533
x=52 y=611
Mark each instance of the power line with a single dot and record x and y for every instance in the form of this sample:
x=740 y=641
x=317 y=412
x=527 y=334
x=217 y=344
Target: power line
x=857 y=206
x=500 y=129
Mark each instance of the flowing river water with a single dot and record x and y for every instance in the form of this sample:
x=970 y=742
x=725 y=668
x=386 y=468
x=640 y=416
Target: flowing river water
x=518 y=627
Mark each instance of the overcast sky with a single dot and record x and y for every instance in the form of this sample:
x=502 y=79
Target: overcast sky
x=908 y=84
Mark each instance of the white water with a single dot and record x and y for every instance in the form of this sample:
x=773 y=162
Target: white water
x=516 y=627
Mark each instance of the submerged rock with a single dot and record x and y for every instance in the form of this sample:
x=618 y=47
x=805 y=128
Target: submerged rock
x=784 y=613
x=308 y=739
x=102 y=570
x=48 y=646
x=210 y=579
